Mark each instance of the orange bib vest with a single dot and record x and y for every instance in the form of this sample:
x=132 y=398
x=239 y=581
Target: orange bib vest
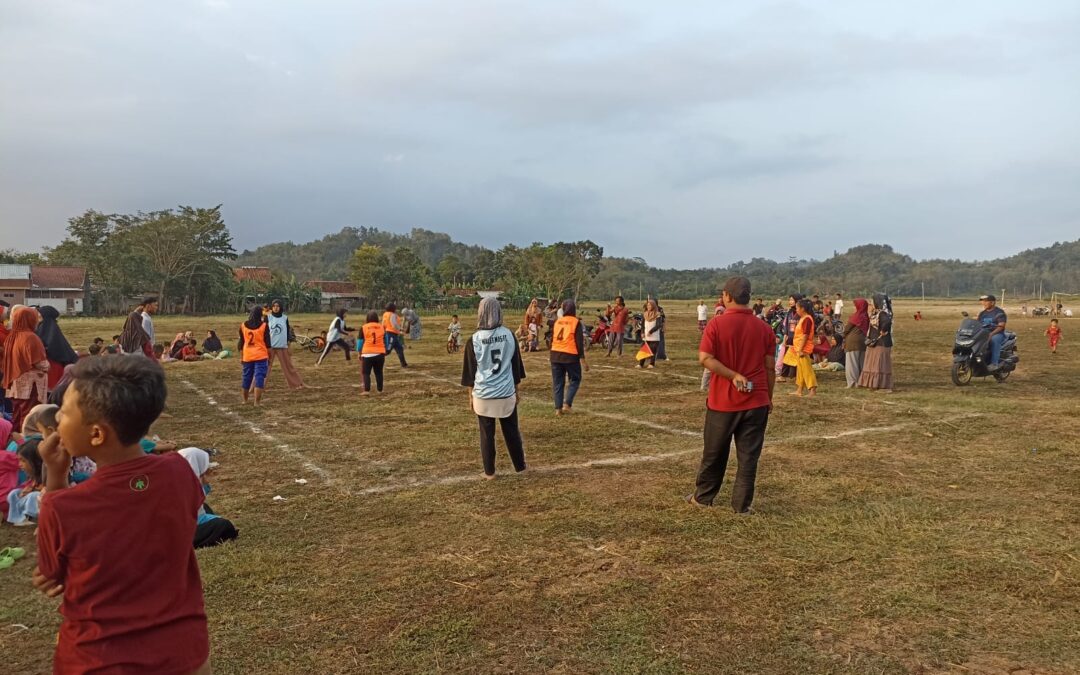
x=564 y=334
x=374 y=339
x=387 y=325
x=254 y=343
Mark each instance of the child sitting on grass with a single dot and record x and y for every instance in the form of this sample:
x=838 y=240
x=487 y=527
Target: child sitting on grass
x=24 y=501
x=118 y=547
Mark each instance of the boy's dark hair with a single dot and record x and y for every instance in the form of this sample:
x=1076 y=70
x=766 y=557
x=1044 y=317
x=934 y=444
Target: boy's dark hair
x=159 y=349
x=99 y=341
x=94 y=349
x=29 y=451
x=372 y=317
x=149 y=300
x=115 y=338
x=127 y=393
x=739 y=290
x=391 y=307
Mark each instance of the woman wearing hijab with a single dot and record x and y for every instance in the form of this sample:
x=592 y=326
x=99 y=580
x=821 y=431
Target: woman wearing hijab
x=212 y=343
x=280 y=334
x=651 y=334
x=335 y=336
x=133 y=338
x=210 y=528
x=492 y=372
x=25 y=364
x=391 y=324
x=877 y=364
x=412 y=323
x=57 y=348
x=855 y=332
x=254 y=348
x=567 y=357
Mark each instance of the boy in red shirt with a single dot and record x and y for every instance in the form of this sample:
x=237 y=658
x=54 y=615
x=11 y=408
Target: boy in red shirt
x=118 y=546
x=1054 y=333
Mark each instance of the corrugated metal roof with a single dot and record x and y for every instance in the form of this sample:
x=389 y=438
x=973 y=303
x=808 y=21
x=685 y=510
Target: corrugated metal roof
x=14 y=271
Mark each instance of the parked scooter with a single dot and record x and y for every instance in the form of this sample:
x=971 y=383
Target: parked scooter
x=971 y=354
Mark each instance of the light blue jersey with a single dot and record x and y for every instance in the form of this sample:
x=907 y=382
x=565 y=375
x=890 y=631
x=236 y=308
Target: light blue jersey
x=279 y=334
x=494 y=350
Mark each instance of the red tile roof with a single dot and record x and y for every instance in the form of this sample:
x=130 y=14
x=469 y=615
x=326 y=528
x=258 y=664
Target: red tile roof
x=44 y=276
x=339 y=287
x=257 y=274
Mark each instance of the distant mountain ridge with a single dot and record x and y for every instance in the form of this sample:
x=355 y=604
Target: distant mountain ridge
x=859 y=269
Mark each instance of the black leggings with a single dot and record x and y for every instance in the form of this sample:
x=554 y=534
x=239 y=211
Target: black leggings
x=372 y=363
x=340 y=342
x=511 y=435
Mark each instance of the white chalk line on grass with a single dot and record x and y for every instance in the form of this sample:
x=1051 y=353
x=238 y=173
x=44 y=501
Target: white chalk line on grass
x=581 y=411
x=285 y=448
x=620 y=461
x=652 y=371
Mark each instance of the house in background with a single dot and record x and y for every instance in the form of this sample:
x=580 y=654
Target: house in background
x=259 y=275
x=65 y=288
x=337 y=294
x=14 y=283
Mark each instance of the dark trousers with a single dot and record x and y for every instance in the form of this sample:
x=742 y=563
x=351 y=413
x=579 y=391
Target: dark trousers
x=340 y=342
x=747 y=429
x=369 y=364
x=616 y=337
x=653 y=347
x=560 y=372
x=397 y=344
x=512 y=436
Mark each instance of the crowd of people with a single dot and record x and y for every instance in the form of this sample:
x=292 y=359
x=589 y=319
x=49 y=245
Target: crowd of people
x=77 y=421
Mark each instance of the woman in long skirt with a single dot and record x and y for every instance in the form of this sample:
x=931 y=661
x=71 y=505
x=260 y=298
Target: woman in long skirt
x=855 y=332
x=877 y=364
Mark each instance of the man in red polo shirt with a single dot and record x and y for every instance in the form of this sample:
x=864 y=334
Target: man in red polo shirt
x=738 y=349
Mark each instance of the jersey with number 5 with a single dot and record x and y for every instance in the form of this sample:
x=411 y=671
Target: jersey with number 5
x=494 y=350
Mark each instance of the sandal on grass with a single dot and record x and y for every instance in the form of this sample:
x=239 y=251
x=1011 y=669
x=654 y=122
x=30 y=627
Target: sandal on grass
x=13 y=552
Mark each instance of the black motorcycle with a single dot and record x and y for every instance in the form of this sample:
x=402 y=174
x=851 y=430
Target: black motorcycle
x=971 y=354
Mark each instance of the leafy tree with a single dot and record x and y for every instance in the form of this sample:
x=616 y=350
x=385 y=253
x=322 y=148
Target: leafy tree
x=10 y=256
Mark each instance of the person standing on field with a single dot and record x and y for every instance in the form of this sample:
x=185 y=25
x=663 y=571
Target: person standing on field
x=738 y=349
x=254 y=351
x=838 y=307
x=702 y=316
x=492 y=371
x=619 y=318
x=567 y=357
x=280 y=336
x=391 y=323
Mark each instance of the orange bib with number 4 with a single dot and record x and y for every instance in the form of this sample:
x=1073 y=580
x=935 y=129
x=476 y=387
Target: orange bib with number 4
x=564 y=334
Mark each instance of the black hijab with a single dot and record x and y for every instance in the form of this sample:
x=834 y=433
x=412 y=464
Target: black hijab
x=212 y=343
x=133 y=337
x=279 y=303
x=57 y=347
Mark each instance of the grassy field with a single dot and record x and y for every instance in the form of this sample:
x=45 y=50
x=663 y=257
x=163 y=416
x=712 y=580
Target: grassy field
x=936 y=529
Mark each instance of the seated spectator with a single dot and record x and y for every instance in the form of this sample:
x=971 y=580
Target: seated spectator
x=94 y=349
x=189 y=352
x=212 y=344
x=834 y=361
x=177 y=345
x=211 y=529
x=23 y=501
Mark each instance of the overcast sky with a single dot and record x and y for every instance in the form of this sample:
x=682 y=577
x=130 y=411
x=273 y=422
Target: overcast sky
x=686 y=133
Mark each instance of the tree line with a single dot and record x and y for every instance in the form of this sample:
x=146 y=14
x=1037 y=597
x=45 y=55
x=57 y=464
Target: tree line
x=185 y=256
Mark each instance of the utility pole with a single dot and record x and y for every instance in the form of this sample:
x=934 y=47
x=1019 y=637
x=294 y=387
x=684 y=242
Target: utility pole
x=923 y=294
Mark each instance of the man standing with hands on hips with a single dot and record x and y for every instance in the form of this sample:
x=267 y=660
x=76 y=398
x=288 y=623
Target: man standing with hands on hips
x=738 y=349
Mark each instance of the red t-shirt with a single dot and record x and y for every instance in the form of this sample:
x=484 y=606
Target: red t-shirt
x=620 y=317
x=740 y=341
x=121 y=543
